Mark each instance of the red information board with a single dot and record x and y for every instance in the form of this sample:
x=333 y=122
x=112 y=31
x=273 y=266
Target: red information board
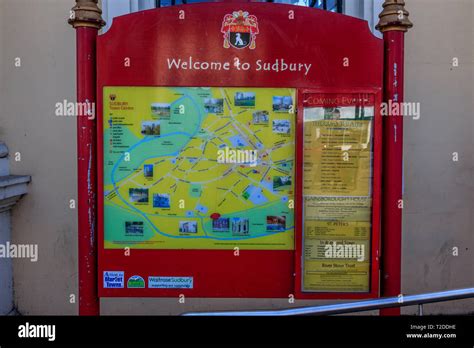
x=201 y=158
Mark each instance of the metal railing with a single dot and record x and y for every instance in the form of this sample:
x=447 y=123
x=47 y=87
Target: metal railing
x=351 y=307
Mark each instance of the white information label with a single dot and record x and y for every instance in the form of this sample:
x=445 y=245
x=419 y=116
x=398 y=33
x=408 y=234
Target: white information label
x=170 y=282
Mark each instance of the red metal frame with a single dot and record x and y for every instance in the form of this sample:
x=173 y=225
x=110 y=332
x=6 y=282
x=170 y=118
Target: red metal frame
x=393 y=169
x=258 y=274
x=376 y=196
x=87 y=173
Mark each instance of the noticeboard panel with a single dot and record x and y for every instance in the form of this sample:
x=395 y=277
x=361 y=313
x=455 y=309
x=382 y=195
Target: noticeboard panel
x=338 y=194
x=168 y=79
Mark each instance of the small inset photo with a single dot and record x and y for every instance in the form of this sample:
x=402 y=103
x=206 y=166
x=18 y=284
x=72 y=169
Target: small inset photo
x=281 y=126
x=161 y=200
x=283 y=104
x=214 y=105
x=281 y=183
x=134 y=228
x=240 y=227
x=220 y=225
x=188 y=227
x=148 y=170
x=276 y=223
x=332 y=114
x=260 y=117
x=244 y=99
x=161 y=110
x=138 y=195
x=150 y=128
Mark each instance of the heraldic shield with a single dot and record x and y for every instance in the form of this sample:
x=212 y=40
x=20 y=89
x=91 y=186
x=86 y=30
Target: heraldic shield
x=240 y=30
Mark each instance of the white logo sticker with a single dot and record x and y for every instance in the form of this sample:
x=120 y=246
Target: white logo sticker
x=113 y=279
x=170 y=282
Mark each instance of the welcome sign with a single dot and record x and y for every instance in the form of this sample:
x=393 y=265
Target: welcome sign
x=201 y=138
x=279 y=65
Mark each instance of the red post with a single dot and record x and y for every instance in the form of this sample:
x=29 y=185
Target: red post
x=86 y=19
x=393 y=24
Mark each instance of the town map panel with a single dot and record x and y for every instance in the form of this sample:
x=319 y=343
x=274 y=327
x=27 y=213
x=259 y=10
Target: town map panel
x=199 y=168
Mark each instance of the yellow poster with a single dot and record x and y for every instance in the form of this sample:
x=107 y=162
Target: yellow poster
x=199 y=168
x=336 y=276
x=335 y=208
x=337 y=157
x=337 y=200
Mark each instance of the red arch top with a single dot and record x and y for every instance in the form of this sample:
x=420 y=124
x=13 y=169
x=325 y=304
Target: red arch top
x=326 y=49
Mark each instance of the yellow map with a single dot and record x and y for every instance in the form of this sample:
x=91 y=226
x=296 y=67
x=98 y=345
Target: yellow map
x=199 y=168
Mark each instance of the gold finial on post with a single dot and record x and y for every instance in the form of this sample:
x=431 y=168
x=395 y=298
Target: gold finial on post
x=86 y=13
x=394 y=17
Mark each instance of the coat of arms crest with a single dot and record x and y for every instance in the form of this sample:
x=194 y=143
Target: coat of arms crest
x=240 y=30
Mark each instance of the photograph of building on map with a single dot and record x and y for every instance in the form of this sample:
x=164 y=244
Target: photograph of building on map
x=220 y=225
x=240 y=227
x=281 y=183
x=161 y=109
x=138 y=195
x=281 y=126
x=134 y=228
x=282 y=103
x=244 y=99
x=151 y=128
x=276 y=223
x=213 y=105
x=188 y=227
x=148 y=170
x=260 y=117
x=161 y=200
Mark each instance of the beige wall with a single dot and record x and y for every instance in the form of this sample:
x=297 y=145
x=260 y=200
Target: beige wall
x=439 y=196
x=439 y=193
x=37 y=32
